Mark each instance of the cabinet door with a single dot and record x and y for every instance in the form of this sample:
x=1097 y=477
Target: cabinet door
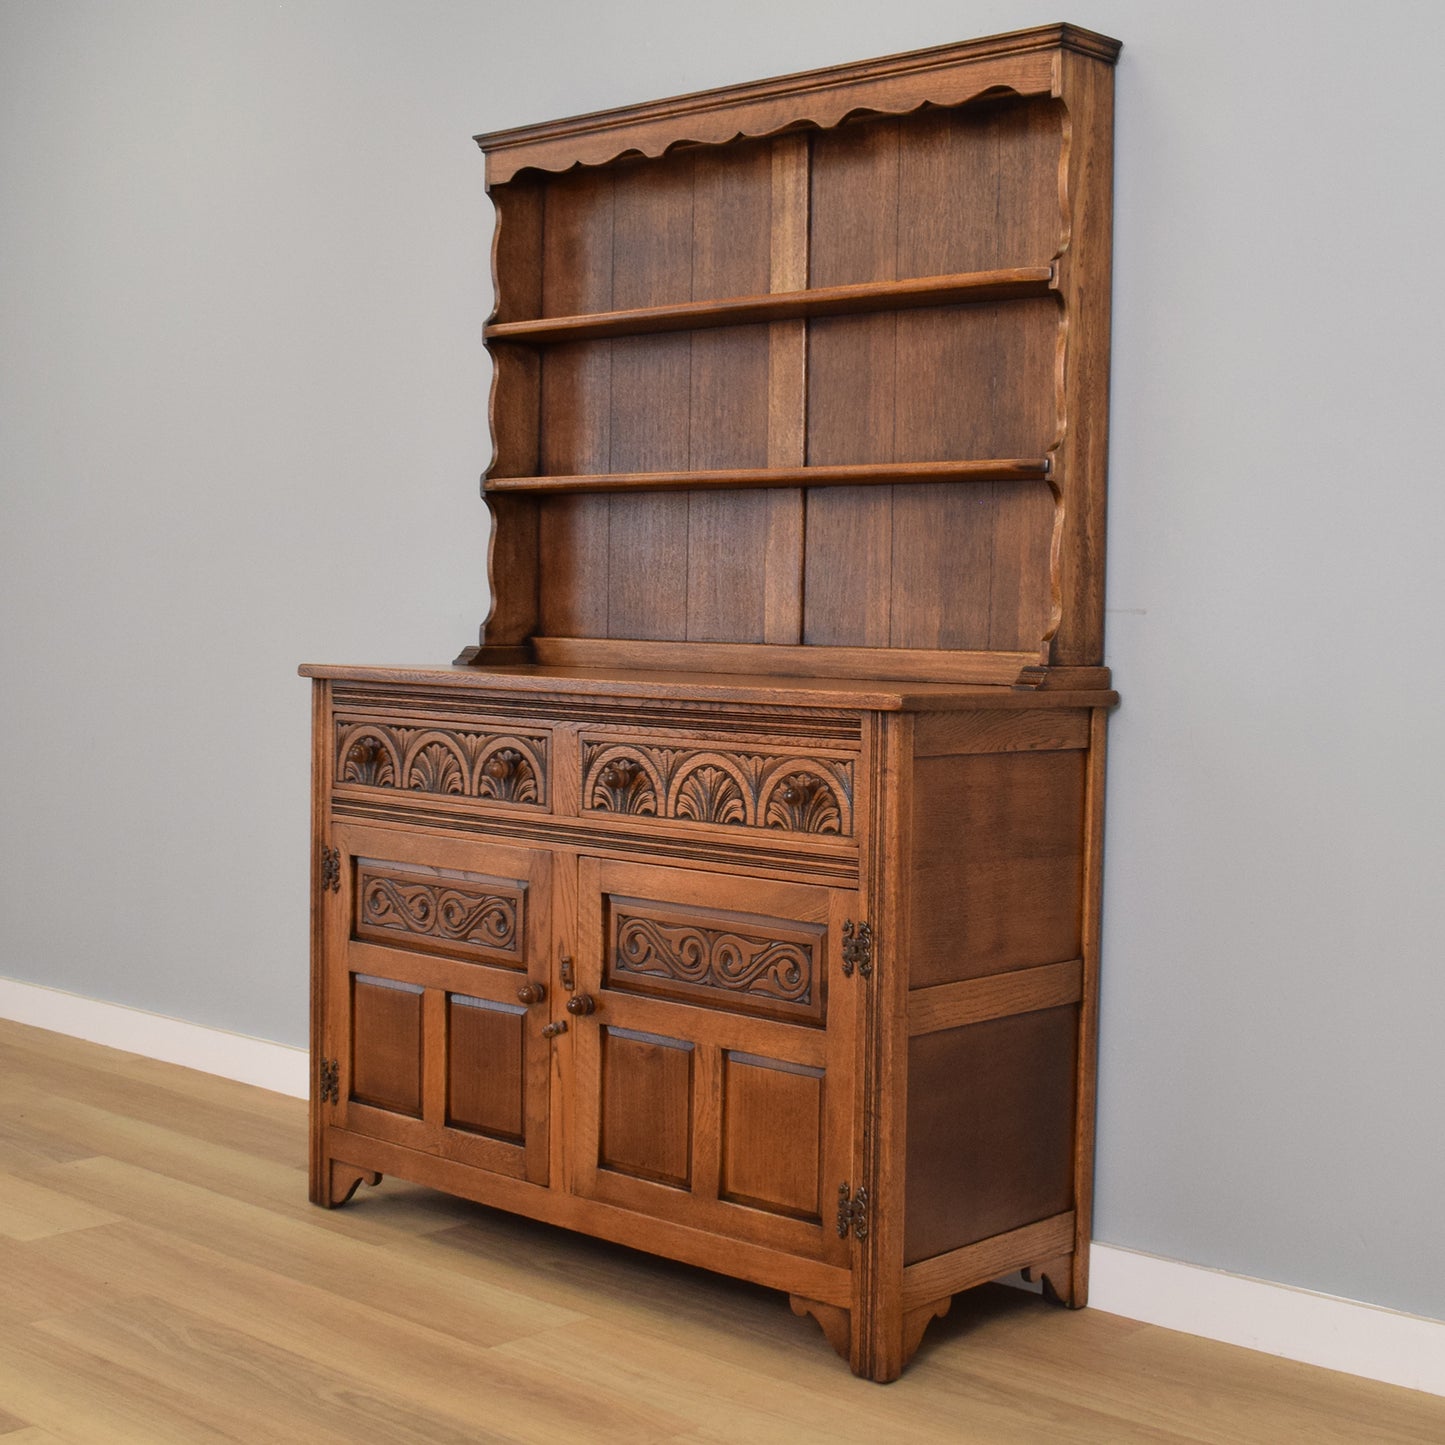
x=434 y=948
x=714 y=1076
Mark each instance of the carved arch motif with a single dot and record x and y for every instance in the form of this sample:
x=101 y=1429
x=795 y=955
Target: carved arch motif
x=368 y=757
x=713 y=788
x=801 y=800
x=434 y=763
x=624 y=779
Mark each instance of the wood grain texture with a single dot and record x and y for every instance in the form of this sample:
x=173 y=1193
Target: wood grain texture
x=456 y=1293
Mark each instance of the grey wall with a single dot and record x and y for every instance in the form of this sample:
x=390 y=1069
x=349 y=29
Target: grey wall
x=242 y=413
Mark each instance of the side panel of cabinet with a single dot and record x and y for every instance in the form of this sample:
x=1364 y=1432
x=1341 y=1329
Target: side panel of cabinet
x=714 y=1077
x=434 y=950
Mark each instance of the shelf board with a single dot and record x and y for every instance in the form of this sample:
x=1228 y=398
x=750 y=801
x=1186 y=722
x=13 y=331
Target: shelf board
x=1010 y=469
x=1011 y=284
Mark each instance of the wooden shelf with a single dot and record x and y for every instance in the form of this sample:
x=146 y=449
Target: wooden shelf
x=1004 y=285
x=1011 y=469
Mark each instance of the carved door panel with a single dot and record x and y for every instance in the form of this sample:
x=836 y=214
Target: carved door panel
x=715 y=1078
x=436 y=997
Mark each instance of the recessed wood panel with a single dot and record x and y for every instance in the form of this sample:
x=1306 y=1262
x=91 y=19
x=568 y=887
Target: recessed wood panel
x=486 y=1079
x=646 y=1106
x=731 y=212
x=939 y=383
x=990 y=1129
x=386 y=1044
x=577 y=242
x=937 y=565
x=772 y=1135
x=970 y=188
x=998 y=877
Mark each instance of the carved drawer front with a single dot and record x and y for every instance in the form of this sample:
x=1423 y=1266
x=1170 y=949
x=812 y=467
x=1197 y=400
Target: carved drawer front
x=466 y=916
x=489 y=763
x=735 y=961
x=707 y=781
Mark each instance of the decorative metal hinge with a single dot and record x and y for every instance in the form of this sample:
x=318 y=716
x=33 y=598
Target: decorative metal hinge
x=330 y=870
x=857 y=949
x=330 y=1092
x=852 y=1212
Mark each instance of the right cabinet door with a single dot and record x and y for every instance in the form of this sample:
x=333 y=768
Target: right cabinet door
x=715 y=1073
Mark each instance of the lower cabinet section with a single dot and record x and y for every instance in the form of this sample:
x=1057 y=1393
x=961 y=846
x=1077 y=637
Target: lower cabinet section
x=840 y=1075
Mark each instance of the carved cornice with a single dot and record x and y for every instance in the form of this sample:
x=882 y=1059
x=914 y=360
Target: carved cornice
x=1020 y=62
x=793 y=793
x=499 y=767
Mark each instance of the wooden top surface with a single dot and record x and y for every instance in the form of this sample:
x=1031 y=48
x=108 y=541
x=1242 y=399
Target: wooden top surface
x=1020 y=60
x=818 y=692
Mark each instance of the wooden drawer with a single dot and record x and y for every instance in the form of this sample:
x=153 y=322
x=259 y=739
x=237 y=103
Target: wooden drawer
x=696 y=779
x=489 y=761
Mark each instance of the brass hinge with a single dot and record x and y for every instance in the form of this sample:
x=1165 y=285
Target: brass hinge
x=330 y=870
x=857 y=949
x=852 y=1212
x=330 y=1091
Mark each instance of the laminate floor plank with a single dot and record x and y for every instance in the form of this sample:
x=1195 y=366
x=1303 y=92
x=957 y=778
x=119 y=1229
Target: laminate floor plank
x=426 y=1368
x=54 y=1275
x=31 y=1211
x=164 y=1282
x=84 y=1400
x=269 y=1132
x=224 y=1169
x=366 y=1274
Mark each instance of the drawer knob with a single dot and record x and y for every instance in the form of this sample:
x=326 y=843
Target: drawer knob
x=502 y=764
x=618 y=774
x=581 y=1003
x=531 y=993
x=552 y=1030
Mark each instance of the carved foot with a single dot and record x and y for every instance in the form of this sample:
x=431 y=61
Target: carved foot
x=342 y=1180
x=1057 y=1278
x=833 y=1319
x=916 y=1321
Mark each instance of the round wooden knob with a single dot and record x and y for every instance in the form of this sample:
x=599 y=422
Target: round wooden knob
x=581 y=1003
x=552 y=1030
x=531 y=993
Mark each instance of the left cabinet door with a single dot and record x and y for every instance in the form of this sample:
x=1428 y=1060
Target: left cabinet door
x=435 y=989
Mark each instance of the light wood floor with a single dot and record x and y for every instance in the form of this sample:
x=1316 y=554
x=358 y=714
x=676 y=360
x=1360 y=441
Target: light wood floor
x=162 y=1279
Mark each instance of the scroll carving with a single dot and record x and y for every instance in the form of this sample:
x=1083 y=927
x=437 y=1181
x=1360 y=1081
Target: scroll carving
x=714 y=957
x=752 y=790
x=769 y=969
x=497 y=767
x=460 y=916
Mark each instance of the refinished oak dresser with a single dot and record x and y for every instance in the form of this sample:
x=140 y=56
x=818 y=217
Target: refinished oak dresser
x=737 y=897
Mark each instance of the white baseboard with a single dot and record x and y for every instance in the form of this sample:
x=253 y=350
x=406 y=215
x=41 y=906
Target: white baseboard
x=278 y=1067
x=1277 y=1319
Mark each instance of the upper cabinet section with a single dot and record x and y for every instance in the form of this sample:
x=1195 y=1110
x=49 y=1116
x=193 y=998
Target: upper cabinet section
x=878 y=293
